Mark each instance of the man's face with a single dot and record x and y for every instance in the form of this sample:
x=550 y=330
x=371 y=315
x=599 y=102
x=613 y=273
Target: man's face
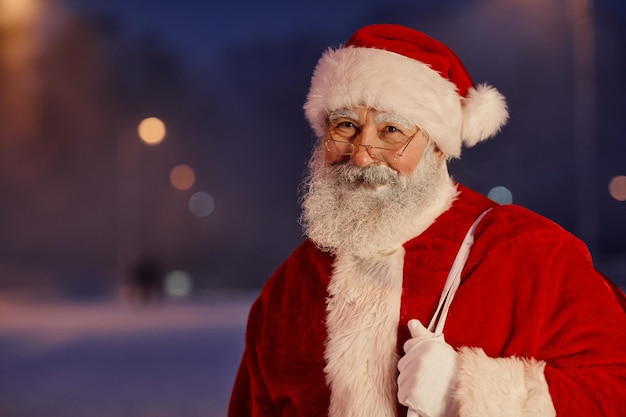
x=364 y=200
x=368 y=127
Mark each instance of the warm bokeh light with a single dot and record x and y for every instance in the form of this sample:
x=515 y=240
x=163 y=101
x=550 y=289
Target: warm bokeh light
x=501 y=195
x=201 y=204
x=20 y=68
x=17 y=10
x=182 y=177
x=617 y=187
x=151 y=130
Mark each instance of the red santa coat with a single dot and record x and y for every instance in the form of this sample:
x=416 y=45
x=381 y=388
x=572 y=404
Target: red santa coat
x=537 y=328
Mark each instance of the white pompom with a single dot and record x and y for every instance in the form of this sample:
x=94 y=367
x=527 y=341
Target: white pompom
x=484 y=113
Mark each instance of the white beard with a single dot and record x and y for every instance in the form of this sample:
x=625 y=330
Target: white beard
x=364 y=211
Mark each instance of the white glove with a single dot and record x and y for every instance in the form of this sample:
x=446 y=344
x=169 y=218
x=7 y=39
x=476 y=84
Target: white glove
x=427 y=371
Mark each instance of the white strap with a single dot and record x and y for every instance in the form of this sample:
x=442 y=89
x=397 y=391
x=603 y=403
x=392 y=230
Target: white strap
x=454 y=280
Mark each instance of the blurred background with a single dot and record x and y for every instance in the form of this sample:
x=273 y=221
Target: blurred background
x=150 y=156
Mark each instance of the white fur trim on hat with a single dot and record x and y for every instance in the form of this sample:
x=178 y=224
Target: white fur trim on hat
x=387 y=81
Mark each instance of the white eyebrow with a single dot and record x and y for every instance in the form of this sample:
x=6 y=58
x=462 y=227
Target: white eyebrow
x=343 y=112
x=392 y=118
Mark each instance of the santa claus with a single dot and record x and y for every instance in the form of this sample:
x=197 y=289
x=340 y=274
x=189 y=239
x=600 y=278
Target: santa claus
x=412 y=293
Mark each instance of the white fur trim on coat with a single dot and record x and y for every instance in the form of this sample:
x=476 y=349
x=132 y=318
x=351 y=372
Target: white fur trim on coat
x=496 y=387
x=374 y=78
x=363 y=313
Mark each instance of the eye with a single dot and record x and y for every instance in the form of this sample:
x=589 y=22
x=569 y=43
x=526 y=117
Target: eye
x=345 y=124
x=391 y=129
x=392 y=134
x=344 y=129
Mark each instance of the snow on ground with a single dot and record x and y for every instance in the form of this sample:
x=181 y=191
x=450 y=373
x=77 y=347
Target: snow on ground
x=104 y=359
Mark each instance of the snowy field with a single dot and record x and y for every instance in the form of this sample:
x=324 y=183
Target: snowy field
x=105 y=359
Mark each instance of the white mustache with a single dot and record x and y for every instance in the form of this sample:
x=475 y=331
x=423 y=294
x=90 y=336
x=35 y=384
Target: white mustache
x=372 y=175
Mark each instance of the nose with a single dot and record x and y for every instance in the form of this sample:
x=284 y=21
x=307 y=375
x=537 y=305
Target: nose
x=361 y=156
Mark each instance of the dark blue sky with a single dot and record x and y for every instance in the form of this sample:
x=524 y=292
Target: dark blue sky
x=201 y=30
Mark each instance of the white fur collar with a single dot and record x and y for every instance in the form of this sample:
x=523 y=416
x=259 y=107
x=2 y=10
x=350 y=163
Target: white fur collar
x=363 y=313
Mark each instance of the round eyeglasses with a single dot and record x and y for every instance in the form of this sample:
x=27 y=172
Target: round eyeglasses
x=341 y=141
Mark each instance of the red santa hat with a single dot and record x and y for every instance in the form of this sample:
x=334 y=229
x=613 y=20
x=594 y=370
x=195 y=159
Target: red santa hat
x=400 y=70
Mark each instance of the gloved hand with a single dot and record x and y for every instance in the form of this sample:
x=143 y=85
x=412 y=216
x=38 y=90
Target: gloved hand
x=427 y=372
